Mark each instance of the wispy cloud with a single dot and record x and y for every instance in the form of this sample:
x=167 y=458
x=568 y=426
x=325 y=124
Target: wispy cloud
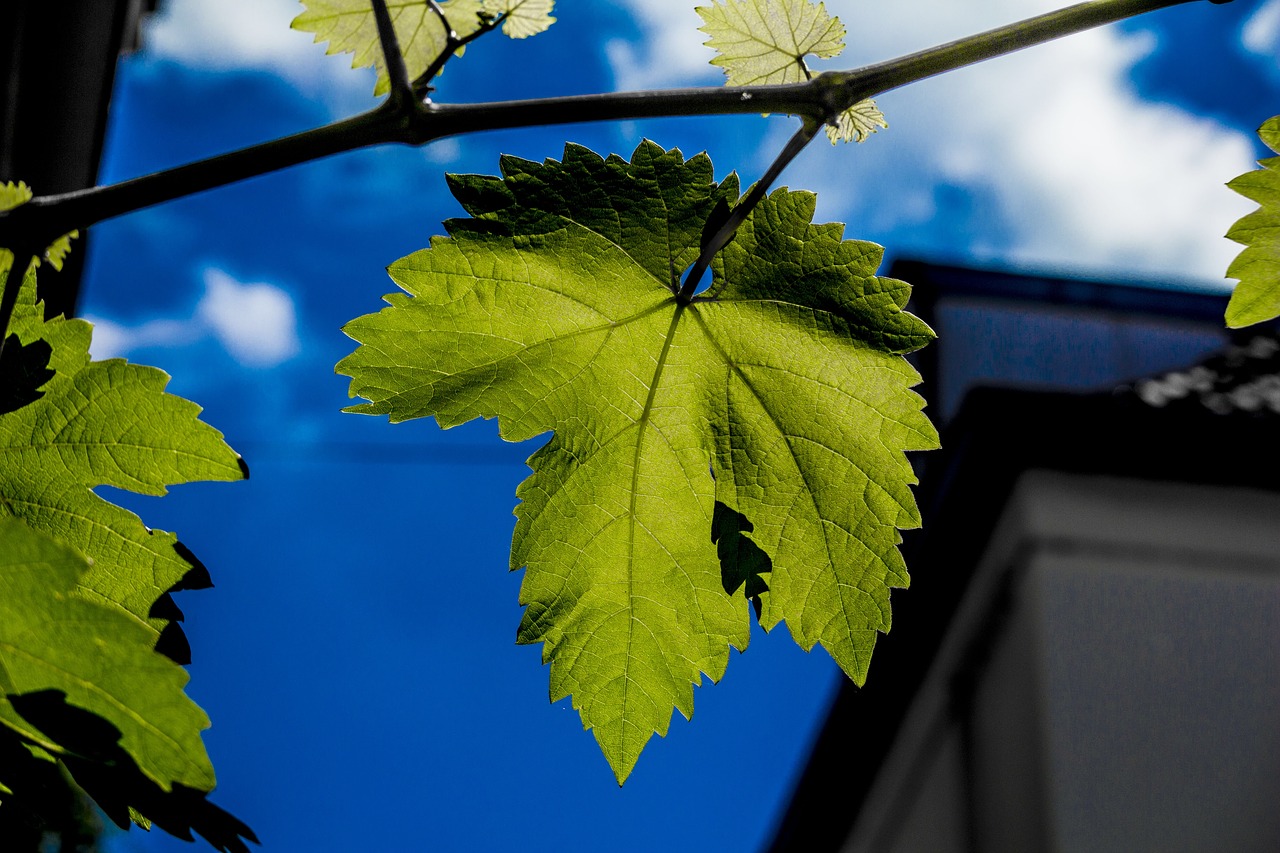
x=253 y=35
x=1084 y=173
x=1261 y=33
x=256 y=324
x=670 y=51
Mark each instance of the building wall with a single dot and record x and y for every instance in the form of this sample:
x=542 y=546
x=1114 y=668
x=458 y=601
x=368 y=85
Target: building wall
x=1111 y=682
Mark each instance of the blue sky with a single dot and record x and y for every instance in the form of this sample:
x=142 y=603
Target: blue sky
x=357 y=654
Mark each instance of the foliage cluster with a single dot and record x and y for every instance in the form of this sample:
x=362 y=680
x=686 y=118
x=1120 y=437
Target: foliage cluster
x=713 y=450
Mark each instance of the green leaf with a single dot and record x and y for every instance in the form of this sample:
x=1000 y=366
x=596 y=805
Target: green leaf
x=857 y=123
x=779 y=394
x=98 y=660
x=523 y=18
x=13 y=194
x=764 y=42
x=349 y=27
x=57 y=252
x=103 y=423
x=1257 y=296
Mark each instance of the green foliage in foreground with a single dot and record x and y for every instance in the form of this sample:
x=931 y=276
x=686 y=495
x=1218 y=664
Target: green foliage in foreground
x=89 y=643
x=776 y=404
x=96 y=657
x=90 y=707
x=743 y=447
x=101 y=423
x=1257 y=296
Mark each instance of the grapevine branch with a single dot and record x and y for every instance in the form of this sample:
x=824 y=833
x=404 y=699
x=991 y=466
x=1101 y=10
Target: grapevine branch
x=411 y=121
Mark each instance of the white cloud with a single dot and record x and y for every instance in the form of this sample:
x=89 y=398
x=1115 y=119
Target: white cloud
x=255 y=35
x=114 y=340
x=1085 y=174
x=442 y=152
x=1261 y=33
x=255 y=323
x=671 y=53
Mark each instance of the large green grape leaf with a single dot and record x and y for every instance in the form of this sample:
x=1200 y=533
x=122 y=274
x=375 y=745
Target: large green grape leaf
x=349 y=27
x=96 y=656
x=103 y=423
x=764 y=42
x=1257 y=296
x=776 y=406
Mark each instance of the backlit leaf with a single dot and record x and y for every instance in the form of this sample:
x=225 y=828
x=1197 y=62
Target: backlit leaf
x=349 y=27
x=96 y=657
x=13 y=194
x=103 y=423
x=524 y=18
x=857 y=123
x=764 y=42
x=760 y=42
x=1257 y=296
x=780 y=395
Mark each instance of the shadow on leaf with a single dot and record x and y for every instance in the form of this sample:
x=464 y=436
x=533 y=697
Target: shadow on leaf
x=46 y=806
x=742 y=562
x=109 y=775
x=23 y=369
x=172 y=642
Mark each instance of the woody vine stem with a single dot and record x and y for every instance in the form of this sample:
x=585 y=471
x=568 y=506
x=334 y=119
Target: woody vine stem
x=410 y=117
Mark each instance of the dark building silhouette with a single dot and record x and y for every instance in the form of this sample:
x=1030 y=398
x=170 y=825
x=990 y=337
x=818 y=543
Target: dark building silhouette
x=1088 y=658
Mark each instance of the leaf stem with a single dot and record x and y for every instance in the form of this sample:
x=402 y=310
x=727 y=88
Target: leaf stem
x=743 y=209
x=397 y=73
x=822 y=99
x=452 y=45
x=450 y=34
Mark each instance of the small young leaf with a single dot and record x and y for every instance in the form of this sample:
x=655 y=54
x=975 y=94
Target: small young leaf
x=524 y=18
x=348 y=26
x=763 y=42
x=551 y=309
x=57 y=252
x=13 y=194
x=857 y=123
x=1257 y=296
